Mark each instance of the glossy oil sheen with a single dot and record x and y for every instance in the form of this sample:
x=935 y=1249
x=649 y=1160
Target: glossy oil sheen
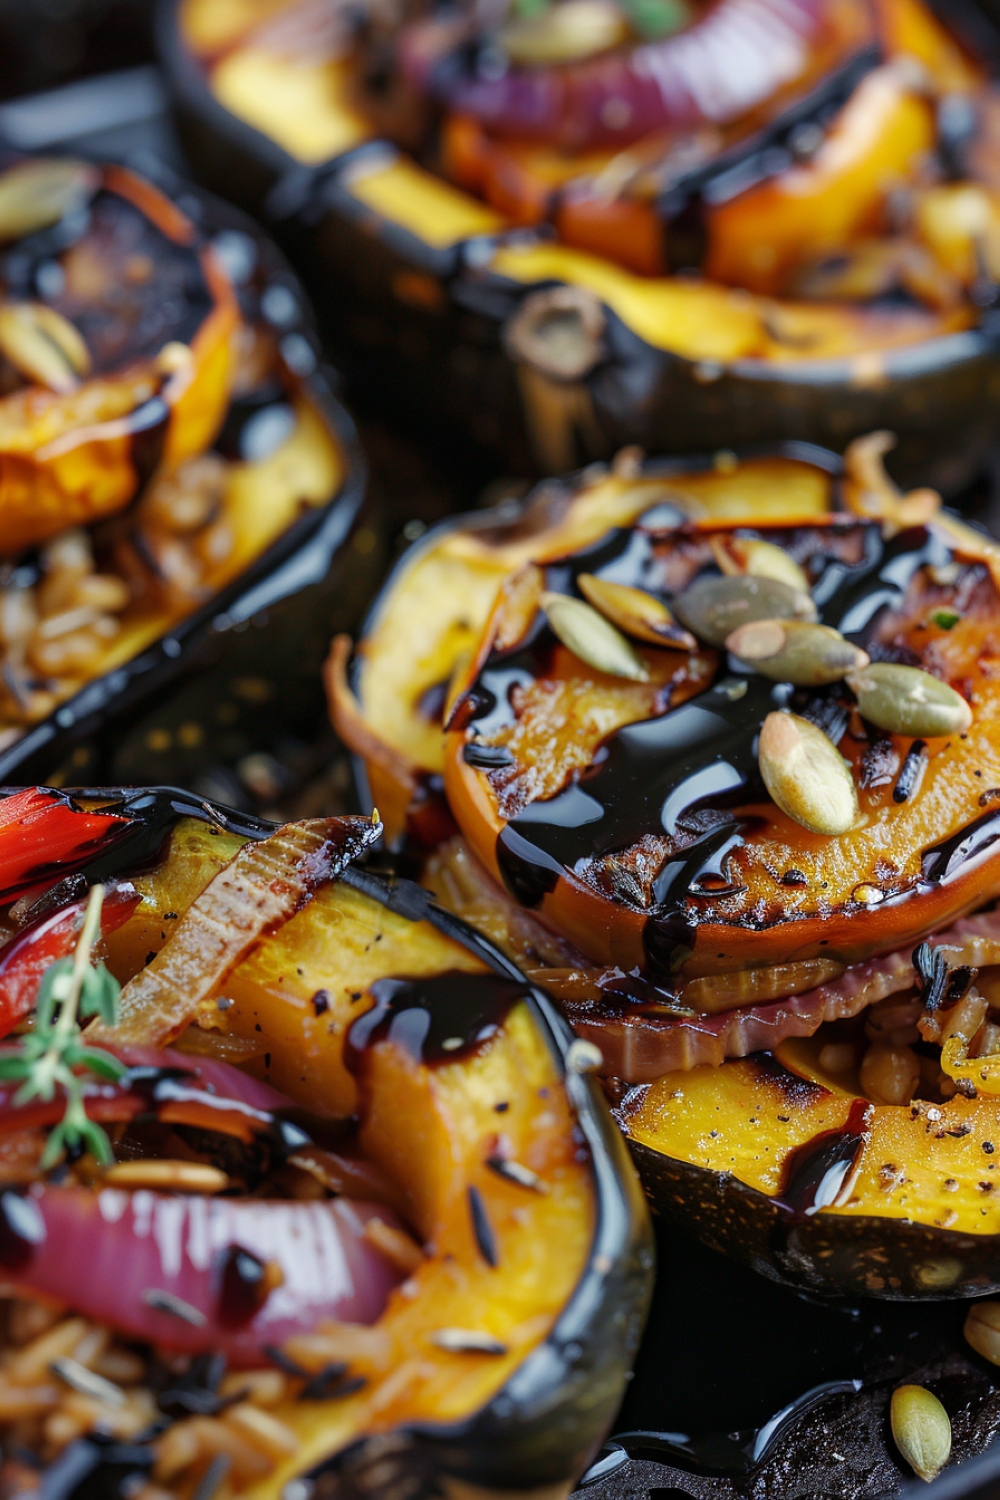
x=652 y=776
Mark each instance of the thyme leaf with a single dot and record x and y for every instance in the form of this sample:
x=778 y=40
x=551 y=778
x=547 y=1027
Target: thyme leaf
x=53 y=1055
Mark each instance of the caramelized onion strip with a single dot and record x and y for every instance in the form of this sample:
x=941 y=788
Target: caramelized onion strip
x=263 y=886
x=640 y=1048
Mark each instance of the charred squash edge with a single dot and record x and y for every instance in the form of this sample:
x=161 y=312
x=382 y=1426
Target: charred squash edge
x=303 y=554
x=936 y=395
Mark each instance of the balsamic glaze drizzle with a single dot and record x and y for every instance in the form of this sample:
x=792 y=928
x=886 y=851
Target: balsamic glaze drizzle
x=651 y=777
x=437 y=1019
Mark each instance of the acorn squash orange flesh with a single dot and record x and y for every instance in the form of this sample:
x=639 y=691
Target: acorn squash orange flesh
x=572 y=823
x=69 y=458
x=819 y=1188
x=433 y=1125
x=431 y=613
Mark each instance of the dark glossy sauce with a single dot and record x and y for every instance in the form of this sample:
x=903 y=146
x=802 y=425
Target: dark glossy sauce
x=816 y=1172
x=651 y=777
x=437 y=1019
x=150 y=815
x=243 y=1287
x=735 y=1454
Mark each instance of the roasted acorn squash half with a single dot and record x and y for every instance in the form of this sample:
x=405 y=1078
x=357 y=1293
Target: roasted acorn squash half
x=460 y=1313
x=229 y=484
x=836 y=286
x=388 y=700
x=805 y=1039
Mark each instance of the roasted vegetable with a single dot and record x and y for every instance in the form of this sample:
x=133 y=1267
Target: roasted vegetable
x=801 y=1078
x=241 y=465
x=494 y=1254
x=390 y=707
x=846 y=277
x=634 y=816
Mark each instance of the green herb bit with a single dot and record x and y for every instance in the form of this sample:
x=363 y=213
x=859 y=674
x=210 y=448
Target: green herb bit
x=53 y=1053
x=946 y=618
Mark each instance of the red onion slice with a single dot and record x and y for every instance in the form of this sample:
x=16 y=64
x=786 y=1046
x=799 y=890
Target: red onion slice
x=732 y=60
x=124 y=1258
x=639 y=1048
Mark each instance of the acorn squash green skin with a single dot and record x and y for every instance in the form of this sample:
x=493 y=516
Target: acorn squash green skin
x=446 y=366
x=546 y=1423
x=310 y=579
x=839 y=1255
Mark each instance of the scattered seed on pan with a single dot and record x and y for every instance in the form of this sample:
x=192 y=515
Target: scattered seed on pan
x=166 y=1302
x=512 y=1171
x=993 y=795
x=467 y=1341
x=79 y=1378
x=487 y=757
x=213 y=1477
x=910 y=772
x=321 y=1002
x=921 y=1429
x=482 y=1228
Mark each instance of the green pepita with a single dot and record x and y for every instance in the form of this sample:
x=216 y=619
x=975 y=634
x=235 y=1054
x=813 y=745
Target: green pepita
x=806 y=775
x=593 y=638
x=564 y=33
x=907 y=700
x=35 y=194
x=637 y=613
x=796 y=651
x=714 y=607
x=921 y=1430
x=737 y=555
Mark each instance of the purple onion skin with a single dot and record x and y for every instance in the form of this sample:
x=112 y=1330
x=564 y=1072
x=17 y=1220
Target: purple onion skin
x=730 y=61
x=101 y=1252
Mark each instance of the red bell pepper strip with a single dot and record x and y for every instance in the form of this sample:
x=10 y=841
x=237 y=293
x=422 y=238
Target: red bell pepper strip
x=43 y=835
x=26 y=957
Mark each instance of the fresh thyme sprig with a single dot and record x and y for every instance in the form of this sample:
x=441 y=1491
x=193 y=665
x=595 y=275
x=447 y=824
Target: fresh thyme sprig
x=47 y=1057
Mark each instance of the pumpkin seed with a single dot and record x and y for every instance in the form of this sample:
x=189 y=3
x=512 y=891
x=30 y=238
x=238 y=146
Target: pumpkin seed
x=982 y=1330
x=43 y=345
x=907 y=700
x=921 y=1430
x=714 y=607
x=593 y=638
x=635 y=612
x=806 y=775
x=796 y=651
x=35 y=194
x=748 y=555
x=564 y=33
